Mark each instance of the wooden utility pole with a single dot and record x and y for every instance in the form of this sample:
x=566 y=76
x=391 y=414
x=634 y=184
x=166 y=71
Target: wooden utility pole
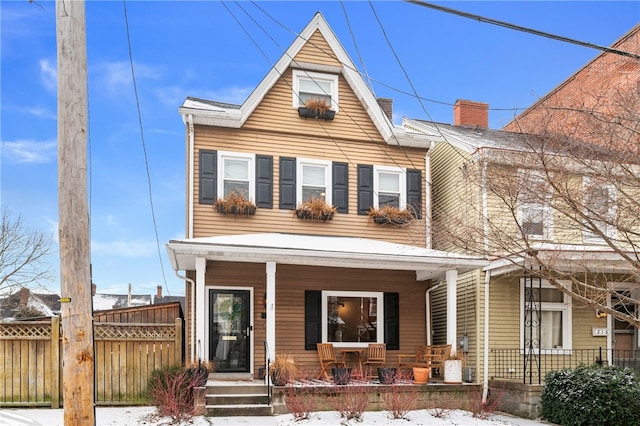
x=75 y=276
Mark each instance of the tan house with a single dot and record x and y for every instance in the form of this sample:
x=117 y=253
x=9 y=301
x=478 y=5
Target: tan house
x=271 y=276
x=490 y=197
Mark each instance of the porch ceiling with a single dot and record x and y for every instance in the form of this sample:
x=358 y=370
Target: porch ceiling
x=341 y=252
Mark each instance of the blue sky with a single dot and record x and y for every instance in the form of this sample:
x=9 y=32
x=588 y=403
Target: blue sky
x=221 y=51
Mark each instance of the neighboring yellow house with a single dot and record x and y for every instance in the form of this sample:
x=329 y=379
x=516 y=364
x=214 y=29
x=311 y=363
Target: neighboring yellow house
x=486 y=191
x=273 y=277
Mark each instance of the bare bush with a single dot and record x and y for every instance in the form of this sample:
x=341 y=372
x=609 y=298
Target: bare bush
x=301 y=400
x=171 y=391
x=484 y=409
x=400 y=397
x=350 y=401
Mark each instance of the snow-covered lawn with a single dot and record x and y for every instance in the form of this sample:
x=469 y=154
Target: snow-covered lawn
x=125 y=416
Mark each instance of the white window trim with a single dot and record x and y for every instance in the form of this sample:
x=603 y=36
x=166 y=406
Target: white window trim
x=331 y=78
x=633 y=287
x=380 y=316
x=611 y=232
x=547 y=211
x=327 y=176
x=565 y=307
x=401 y=172
x=252 y=171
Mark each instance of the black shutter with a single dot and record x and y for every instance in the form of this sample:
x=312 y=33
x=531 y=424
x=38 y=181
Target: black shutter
x=208 y=176
x=340 y=179
x=392 y=320
x=312 y=319
x=287 y=183
x=264 y=181
x=365 y=188
x=414 y=192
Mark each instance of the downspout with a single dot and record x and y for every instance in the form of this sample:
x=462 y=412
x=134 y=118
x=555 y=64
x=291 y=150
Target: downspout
x=428 y=201
x=485 y=366
x=193 y=301
x=427 y=297
x=190 y=183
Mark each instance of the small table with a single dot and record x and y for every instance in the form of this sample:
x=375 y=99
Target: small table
x=358 y=355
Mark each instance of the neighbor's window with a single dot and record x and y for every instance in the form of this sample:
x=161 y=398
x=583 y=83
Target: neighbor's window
x=545 y=316
x=600 y=206
x=236 y=174
x=312 y=85
x=314 y=180
x=389 y=186
x=534 y=205
x=352 y=318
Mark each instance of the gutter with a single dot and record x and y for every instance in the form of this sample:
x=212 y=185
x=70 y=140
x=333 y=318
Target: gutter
x=192 y=323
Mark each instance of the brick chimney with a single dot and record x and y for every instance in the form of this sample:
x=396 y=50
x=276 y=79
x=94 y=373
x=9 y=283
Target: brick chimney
x=387 y=106
x=471 y=114
x=159 y=292
x=24 y=294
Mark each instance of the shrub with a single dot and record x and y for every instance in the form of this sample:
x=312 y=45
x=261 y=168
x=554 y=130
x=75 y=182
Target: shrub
x=301 y=400
x=350 y=401
x=171 y=391
x=401 y=396
x=591 y=395
x=484 y=409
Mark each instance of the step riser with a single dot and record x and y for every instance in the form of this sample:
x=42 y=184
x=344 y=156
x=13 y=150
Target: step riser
x=235 y=390
x=238 y=411
x=237 y=400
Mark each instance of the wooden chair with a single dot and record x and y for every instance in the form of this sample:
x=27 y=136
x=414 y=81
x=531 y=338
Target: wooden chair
x=439 y=353
x=376 y=355
x=327 y=357
x=421 y=358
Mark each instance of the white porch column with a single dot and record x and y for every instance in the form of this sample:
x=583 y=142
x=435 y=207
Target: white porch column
x=271 y=309
x=201 y=268
x=452 y=308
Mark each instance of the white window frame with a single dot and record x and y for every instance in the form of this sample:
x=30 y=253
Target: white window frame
x=379 y=315
x=222 y=155
x=544 y=204
x=565 y=307
x=332 y=79
x=608 y=230
x=301 y=162
x=402 y=177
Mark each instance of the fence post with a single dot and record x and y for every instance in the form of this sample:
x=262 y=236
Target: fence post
x=178 y=342
x=55 y=362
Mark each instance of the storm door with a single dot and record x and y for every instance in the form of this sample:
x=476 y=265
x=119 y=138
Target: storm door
x=230 y=330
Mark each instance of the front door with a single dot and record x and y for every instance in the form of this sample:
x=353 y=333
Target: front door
x=230 y=330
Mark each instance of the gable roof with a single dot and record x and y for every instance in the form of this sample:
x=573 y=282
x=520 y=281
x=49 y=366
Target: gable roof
x=344 y=252
x=228 y=115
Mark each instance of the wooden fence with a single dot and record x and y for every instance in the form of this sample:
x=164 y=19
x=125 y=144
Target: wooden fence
x=125 y=356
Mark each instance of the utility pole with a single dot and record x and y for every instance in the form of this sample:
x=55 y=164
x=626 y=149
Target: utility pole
x=73 y=228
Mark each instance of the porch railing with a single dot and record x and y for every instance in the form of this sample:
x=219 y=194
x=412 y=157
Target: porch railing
x=513 y=365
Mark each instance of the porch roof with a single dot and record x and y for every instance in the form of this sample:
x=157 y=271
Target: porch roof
x=312 y=250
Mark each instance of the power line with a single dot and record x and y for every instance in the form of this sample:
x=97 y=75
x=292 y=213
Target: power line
x=523 y=29
x=144 y=148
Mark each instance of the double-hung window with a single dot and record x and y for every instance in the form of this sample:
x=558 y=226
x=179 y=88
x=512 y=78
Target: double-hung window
x=600 y=207
x=389 y=187
x=236 y=174
x=352 y=318
x=314 y=180
x=312 y=85
x=545 y=316
x=534 y=205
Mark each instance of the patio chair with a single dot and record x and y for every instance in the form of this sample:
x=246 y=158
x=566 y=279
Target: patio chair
x=327 y=357
x=438 y=354
x=421 y=358
x=376 y=356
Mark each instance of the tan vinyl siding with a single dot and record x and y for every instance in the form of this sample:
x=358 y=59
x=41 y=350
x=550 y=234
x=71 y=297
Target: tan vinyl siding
x=291 y=283
x=317 y=51
x=316 y=139
x=504 y=315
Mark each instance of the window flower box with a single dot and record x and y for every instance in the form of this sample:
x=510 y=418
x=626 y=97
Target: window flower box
x=235 y=204
x=316 y=209
x=390 y=215
x=316 y=108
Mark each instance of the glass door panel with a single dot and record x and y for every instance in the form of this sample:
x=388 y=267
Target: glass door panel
x=230 y=330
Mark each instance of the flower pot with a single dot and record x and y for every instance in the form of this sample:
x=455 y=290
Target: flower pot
x=453 y=371
x=421 y=375
x=387 y=375
x=341 y=376
x=316 y=113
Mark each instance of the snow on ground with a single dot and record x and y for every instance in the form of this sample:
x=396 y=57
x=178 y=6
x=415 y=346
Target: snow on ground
x=126 y=416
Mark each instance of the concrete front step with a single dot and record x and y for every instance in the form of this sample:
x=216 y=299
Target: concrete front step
x=238 y=410
x=248 y=389
x=237 y=399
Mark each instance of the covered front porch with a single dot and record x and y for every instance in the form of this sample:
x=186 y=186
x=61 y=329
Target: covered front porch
x=279 y=271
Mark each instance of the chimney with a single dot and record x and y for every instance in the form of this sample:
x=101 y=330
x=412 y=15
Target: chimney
x=159 y=292
x=387 y=106
x=24 y=296
x=471 y=114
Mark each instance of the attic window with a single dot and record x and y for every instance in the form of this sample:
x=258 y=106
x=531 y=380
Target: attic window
x=312 y=85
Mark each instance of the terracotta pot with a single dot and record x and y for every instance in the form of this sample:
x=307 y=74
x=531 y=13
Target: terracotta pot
x=421 y=375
